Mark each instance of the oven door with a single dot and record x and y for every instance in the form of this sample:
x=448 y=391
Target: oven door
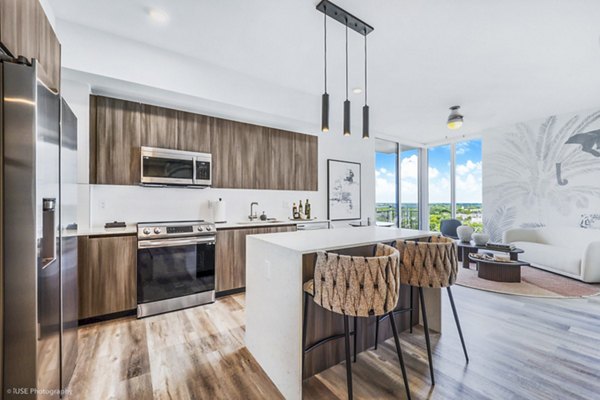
x=172 y=268
x=163 y=167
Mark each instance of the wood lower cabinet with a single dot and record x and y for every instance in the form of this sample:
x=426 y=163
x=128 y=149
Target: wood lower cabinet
x=107 y=275
x=26 y=31
x=231 y=255
x=115 y=138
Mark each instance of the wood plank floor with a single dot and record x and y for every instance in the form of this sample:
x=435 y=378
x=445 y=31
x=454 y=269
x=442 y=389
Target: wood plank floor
x=520 y=348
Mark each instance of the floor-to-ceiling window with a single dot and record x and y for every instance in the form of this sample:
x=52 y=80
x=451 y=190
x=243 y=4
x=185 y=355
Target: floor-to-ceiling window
x=468 y=183
x=386 y=182
x=440 y=185
x=409 y=187
x=454 y=183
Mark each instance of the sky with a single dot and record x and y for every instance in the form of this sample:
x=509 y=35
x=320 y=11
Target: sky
x=468 y=174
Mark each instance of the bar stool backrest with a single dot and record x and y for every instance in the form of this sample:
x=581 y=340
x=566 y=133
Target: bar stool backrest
x=358 y=286
x=428 y=264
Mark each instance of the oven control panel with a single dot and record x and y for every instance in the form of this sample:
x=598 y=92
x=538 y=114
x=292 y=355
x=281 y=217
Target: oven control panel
x=156 y=230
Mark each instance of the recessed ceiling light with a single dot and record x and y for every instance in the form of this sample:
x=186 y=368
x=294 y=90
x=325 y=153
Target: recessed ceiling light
x=158 y=16
x=357 y=90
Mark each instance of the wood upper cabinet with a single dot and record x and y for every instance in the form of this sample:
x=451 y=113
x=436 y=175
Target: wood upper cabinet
x=159 y=127
x=305 y=162
x=227 y=148
x=244 y=156
x=26 y=31
x=114 y=141
x=281 y=166
x=193 y=132
x=231 y=255
x=107 y=275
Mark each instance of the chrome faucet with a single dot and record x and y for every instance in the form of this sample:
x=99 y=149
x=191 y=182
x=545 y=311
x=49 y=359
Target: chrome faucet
x=253 y=215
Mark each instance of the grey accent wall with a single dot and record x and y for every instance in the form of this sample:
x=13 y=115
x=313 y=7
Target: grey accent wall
x=542 y=172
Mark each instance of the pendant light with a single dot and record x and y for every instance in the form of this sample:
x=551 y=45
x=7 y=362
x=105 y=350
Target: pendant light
x=347 y=102
x=325 y=97
x=365 y=134
x=330 y=10
x=455 y=119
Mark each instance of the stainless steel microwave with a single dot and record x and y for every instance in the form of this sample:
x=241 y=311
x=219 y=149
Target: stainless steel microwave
x=175 y=167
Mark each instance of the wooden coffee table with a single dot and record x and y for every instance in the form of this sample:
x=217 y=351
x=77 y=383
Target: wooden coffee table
x=466 y=248
x=497 y=271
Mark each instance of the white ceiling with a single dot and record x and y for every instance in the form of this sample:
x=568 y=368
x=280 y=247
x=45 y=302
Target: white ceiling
x=502 y=61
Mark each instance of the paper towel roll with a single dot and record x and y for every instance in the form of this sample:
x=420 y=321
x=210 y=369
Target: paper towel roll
x=219 y=213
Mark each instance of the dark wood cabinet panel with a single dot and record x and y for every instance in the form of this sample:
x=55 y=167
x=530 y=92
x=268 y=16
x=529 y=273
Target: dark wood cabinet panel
x=26 y=31
x=306 y=162
x=231 y=254
x=281 y=159
x=107 y=275
x=230 y=269
x=159 y=127
x=114 y=141
x=48 y=51
x=254 y=157
x=193 y=132
x=227 y=148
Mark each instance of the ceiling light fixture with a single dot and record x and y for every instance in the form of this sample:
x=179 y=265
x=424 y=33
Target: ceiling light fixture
x=455 y=119
x=325 y=97
x=158 y=16
x=331 y=10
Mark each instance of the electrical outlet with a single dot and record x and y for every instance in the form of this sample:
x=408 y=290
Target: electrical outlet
x=102 y=205
x=268 y=270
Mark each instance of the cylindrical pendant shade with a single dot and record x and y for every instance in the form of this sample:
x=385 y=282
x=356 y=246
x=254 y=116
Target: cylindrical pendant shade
x=347 y=118
x=365 y=122
x=325 y=113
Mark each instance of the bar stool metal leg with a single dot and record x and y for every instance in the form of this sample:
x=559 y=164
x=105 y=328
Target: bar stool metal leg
x=462 y=340
x=355 y=336
x=400 y=358
x=348 y=357
x=426 y=328
x=411 y=308
x=376 y=331
x=304 y=325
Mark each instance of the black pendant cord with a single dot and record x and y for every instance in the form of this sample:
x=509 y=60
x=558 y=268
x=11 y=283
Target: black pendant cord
x=346 y=59
x=325 y=47
x=365 y=69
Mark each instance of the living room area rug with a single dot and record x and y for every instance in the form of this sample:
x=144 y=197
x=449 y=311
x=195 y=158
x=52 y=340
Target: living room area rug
x=534 y=282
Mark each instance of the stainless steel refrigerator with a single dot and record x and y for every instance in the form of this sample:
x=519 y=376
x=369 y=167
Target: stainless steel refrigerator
x=38 y=319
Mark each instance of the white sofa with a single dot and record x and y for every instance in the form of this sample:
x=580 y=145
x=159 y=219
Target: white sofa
x=573 y=252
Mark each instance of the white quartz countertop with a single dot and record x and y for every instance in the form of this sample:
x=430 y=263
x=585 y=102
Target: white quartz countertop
x=239 y=225
x=132 y=228
x=329 y=239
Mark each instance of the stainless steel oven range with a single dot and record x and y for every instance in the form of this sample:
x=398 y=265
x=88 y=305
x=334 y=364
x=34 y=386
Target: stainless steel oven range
x=175 y=266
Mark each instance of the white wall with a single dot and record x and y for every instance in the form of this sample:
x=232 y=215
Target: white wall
x=521 y=185
x=99 y=204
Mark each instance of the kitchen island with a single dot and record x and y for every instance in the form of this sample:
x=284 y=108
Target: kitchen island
x=276 y=267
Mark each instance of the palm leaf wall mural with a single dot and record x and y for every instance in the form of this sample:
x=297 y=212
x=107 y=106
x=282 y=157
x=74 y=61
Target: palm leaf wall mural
x=542 y=173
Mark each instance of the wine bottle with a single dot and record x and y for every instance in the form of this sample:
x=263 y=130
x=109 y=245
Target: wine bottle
x=300 y=209
x=294 y=211
x=307 y=209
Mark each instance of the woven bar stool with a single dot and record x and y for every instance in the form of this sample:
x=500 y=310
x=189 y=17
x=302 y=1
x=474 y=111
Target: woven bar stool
x=355 y=287
x=432 y=264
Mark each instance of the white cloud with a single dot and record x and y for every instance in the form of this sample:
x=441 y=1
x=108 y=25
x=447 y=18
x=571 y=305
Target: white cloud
x=385 y=189
x=433 y=173
x=469 y=166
